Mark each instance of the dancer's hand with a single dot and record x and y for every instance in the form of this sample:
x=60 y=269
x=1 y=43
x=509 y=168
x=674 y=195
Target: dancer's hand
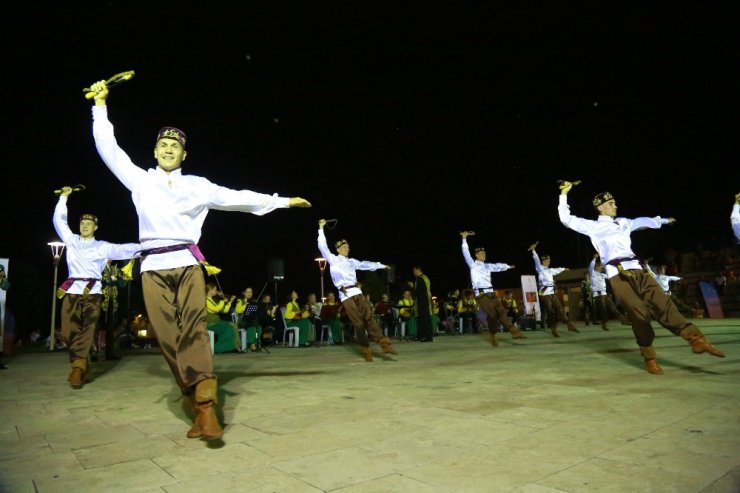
x=533 y=246
x=565 y=187
x=298 y=202
x=100 y=89
x=465 y=234
x=322 y=223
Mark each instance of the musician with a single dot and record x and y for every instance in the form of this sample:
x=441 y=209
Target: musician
x=467 y=309
x=245 y=320
x=313 y=308
x=300 y=318
x=218 y=305
x=384 y=313
x=266 y=319
x=343 y=275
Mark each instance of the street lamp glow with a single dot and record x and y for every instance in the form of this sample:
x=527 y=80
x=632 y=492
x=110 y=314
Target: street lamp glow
x=57 y=249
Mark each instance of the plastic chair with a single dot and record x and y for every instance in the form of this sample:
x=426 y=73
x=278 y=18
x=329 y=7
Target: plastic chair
x=291 y=332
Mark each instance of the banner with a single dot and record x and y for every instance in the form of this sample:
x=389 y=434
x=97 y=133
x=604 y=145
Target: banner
x=711 y=299
x=4 y=262
x=530 y=297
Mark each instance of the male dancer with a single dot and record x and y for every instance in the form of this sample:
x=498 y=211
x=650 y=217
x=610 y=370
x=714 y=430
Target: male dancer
x=82 y=291
x=637 y=290
x=172 y=207
x=602 y=301
x=548 y=297
x=480 y=278
x=358 y=310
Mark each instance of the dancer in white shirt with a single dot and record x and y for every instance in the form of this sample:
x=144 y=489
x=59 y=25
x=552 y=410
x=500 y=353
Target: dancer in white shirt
x=172 y=207
x=637 y=290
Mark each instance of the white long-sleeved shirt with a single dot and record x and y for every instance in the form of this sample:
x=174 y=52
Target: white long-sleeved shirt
x=611 y=237
x=598 y=279
x=663 y=279
x=86 y=258
x=171 y=206
x=735 y=220
x=343 y=269
x=545 y=275
x=480 y=272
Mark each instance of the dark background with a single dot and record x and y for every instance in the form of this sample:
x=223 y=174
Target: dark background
x=407 y=123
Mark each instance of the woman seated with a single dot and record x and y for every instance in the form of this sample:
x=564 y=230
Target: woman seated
x=247 y=317
x=467 y=309
x=406 y=315
x=225 y=331
x=297 y=316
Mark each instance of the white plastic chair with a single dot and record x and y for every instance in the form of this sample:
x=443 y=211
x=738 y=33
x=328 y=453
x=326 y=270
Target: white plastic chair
x=291 y=333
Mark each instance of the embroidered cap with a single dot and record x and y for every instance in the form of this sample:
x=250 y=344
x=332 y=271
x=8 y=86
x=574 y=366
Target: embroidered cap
x=172 y=133
x=89 y=217
x=601 y=198
x=340 y=243
x=480 y=249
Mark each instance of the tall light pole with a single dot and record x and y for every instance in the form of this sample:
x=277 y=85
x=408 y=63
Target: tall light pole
x=57 y=249
x=322 y=267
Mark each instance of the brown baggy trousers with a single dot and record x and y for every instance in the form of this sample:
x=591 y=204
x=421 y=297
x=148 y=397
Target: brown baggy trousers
x=645 y=300
x=554 y=309
x=79 y=318
x=176 y=305
x=361 y=315
x=495 y=312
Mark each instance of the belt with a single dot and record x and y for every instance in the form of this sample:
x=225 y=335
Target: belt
x=127 y=270
x=62 y=290
x=166 y=249
x=482 y=290
x=344 y=289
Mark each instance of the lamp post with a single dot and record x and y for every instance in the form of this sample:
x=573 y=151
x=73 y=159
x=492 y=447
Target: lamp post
x=322 y=268
x=57 y=249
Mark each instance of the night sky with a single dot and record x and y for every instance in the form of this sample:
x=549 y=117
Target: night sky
x=407 y=123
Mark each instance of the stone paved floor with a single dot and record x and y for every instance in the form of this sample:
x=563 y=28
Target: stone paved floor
x=543 y=415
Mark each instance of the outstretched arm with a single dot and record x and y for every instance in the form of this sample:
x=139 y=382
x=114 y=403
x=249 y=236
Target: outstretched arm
x=298 y=202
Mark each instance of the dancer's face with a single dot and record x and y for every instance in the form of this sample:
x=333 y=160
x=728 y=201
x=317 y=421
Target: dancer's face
x=608 y=208
x=169 y=154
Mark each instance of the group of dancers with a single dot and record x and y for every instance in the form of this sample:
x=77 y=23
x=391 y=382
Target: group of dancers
x=172 y=207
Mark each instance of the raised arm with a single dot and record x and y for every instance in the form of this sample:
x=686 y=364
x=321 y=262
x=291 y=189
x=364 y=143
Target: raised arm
x=465 y=248
x=61 y=225
x=321 y=240
x=592 y=266
x=105 y=141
